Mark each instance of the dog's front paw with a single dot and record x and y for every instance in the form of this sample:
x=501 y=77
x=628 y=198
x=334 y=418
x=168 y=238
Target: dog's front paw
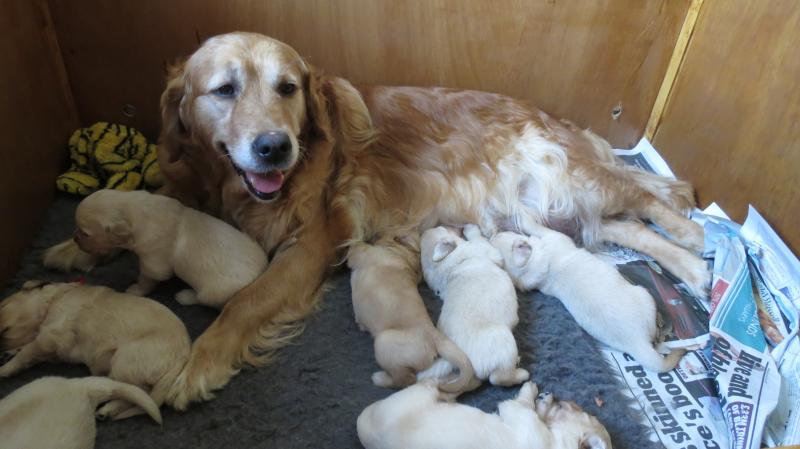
x=208 y=369
x=697 y=277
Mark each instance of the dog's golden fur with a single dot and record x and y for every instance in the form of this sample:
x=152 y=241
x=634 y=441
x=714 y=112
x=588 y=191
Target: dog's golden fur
x=377 y=163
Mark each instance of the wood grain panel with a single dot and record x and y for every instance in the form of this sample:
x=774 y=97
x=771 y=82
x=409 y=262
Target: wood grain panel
x=37 y=116
x=732 y=124
x=574 y=58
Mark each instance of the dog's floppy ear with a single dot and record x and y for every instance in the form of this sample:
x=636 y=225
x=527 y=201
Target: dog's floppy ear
x=520 y=252
x=173 y=128
x=335 y=107
x=593 y=441
x=443 y=248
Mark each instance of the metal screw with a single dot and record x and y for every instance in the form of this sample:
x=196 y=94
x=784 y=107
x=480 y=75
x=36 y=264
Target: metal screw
x=616 y=112
x=129 y=110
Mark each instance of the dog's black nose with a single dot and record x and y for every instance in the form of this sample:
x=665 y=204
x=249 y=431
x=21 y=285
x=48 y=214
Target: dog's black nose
x=272 y=146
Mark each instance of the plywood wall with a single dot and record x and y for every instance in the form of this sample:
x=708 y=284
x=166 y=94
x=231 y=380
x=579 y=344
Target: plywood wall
x=732 y=123
x=575 y=58
x=37 y=114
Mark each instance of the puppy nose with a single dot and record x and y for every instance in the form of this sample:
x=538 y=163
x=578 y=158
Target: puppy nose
x=272 y=146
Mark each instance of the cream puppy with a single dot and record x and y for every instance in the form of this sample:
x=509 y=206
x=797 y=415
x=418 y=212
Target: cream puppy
x=480 y=303
x=420 y=417
x=127 y=338
x=213 y=257
x=59 y=413
x=405 y=340
x=609 y=308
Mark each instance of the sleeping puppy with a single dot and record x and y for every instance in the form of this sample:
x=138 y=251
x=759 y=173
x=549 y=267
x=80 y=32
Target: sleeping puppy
x=405 y=340
x=213 y=257
x=480 y=303
x=420 y=417
x=609 y=308
x=58 y=413
x=127 y=338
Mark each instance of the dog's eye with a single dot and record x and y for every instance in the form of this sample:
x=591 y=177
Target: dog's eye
x=286 y=89
x=226 y=90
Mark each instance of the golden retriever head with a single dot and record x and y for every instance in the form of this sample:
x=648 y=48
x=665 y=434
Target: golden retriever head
x=22 y=313
x=100 y=225
x=571 y=426
x=255 y=100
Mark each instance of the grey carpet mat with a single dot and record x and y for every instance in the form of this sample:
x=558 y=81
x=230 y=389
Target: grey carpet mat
x=312 y=394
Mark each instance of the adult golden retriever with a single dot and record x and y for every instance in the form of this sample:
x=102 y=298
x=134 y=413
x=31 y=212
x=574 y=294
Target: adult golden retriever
x=307 y=163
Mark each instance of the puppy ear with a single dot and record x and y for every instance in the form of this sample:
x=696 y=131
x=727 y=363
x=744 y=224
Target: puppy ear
x=335 y=106
x=520 y=252
x=119 y=229
x=443 y=248
x=173 y=128
x=593 y=441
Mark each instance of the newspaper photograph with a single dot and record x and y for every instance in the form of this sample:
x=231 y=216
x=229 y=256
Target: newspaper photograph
x=737 y=387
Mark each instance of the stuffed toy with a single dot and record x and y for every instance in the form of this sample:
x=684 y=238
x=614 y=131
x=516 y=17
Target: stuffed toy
x=109 y=156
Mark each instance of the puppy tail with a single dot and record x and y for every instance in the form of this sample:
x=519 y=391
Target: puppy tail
x=653 y=361
x=453 y=354
x=102 y=389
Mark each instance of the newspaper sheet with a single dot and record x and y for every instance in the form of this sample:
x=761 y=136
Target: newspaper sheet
x=777 y=274
x=745 y=373
x=742 y=340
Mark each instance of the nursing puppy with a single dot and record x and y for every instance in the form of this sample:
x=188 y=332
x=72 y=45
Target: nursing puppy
x=420 y=417
x=405 y=340
x=58 y=413
x=213 y=257
x=127 y=338
x=608 y=307
x=480 y=303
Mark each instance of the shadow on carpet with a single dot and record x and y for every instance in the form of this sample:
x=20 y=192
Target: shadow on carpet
x=312 y=394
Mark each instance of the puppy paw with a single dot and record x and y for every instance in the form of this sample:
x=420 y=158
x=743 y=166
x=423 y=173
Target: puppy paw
x=382 y=379
x=508 y=378
x=472 y=232
x=137 y=290
x=186 y=297
x=528 y=392
x=111 y=409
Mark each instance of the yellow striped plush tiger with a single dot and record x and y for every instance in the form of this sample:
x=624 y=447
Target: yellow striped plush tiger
x=109 y=156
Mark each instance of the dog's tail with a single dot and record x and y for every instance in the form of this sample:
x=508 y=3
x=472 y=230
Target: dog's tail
x=453 y=354
x=653 y=361
x=102 y=389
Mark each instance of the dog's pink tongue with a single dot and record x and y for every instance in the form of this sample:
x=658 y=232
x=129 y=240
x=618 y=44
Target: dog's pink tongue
x=266 y=182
